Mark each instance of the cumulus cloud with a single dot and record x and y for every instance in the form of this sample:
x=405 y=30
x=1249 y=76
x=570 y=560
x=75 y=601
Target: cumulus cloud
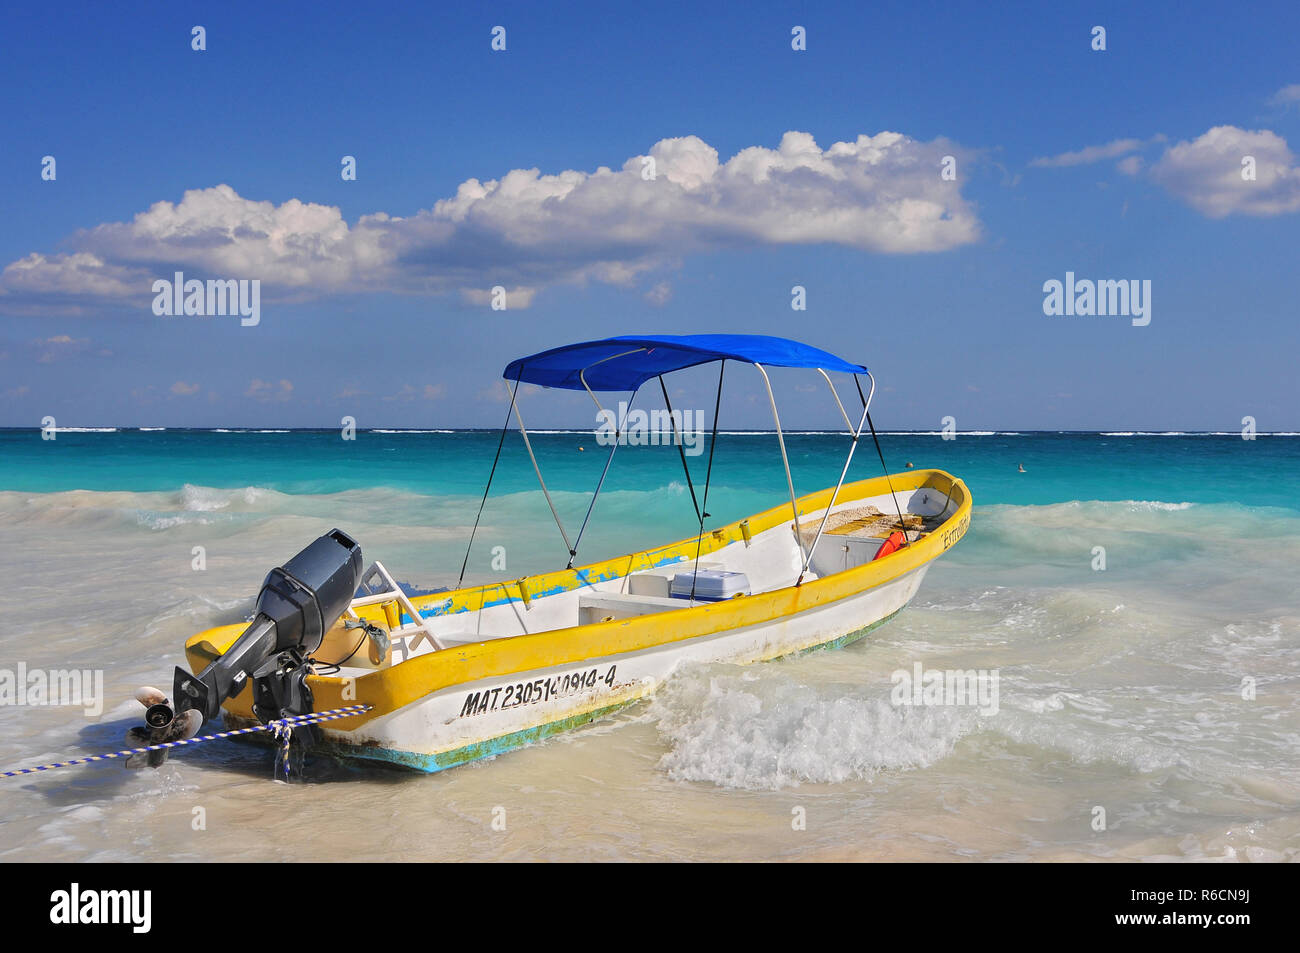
x=184 y=389
x=525 y=231
x=1090 y=154
x=63 y=284
x=259 y=389
x=1206 y=173
x=60 y=346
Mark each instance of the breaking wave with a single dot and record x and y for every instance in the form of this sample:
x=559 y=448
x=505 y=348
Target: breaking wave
x=758 y=730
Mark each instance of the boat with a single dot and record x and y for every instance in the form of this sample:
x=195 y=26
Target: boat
x=440 y=679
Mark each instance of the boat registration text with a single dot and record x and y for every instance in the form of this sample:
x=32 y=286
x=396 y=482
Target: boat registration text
x=538 y=690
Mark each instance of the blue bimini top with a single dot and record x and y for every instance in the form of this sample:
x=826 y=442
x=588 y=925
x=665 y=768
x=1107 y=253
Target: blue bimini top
x=625 y=363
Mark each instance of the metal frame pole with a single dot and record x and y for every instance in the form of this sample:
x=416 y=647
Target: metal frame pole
x=785 y=459
x=857 y=434
x=536 y=469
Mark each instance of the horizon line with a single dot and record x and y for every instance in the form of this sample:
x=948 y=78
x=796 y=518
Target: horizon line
x=111 y=428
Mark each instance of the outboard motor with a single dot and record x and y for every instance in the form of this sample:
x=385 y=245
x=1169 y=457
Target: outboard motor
x=299 y=603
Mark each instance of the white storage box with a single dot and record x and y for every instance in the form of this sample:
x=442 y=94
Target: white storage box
x=711 y=585
x=837 y=553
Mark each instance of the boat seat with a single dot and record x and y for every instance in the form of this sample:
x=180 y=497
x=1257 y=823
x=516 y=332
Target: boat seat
x=608 y=606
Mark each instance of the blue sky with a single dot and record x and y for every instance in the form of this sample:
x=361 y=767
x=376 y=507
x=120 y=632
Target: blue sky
x=1115 y=164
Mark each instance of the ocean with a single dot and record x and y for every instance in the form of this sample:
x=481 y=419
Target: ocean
x=1136 y=594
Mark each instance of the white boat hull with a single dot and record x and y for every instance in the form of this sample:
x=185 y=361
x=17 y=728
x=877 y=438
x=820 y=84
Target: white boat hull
x=487 y=717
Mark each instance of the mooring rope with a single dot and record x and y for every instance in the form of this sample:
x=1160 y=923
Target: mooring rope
x=277 y=726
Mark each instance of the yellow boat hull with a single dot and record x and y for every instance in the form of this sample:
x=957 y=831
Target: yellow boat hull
x=435 y=709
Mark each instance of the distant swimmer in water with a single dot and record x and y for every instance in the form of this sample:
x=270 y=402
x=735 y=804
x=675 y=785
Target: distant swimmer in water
x=1022 y=468
x=909 y=465
x=582 y=449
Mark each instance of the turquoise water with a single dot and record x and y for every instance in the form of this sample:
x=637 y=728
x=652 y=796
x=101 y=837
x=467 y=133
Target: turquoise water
x=436 y=479
x=1121 y=683
x=1060 y=467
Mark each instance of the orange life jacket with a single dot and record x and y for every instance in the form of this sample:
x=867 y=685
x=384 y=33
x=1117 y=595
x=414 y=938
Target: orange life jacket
x=895 y=542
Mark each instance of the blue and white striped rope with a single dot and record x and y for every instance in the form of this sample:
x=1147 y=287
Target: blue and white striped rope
x=282 y=724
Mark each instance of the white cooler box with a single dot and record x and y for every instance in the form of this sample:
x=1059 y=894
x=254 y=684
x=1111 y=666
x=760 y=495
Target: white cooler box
x=711 y=585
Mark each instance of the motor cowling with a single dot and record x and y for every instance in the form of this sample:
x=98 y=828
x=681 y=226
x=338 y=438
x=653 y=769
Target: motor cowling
x=309 y=593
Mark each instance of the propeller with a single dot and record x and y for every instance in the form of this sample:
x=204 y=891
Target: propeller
x=161 y=725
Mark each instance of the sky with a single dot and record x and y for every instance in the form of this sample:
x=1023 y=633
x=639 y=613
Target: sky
x=921 y=171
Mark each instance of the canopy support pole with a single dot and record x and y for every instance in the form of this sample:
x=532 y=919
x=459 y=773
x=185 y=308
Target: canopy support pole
x=582 y=374
x=856 y=434
x=536 y=469
x=880 y=453
x=785 y=459
x=708 y=479
x=618 y=428
x=495 y=460
x=838 y=403
x=681 y=446
x=618 y=432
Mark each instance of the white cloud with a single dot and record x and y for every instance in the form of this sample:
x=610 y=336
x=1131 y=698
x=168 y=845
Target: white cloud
x=259 y=389
x=526 y=230
x=1206 y=173
x=1090 y=154
x=660 y=294
x=1286 y=96
x=59 y=346
x=1130 y=165
x=76 y=279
